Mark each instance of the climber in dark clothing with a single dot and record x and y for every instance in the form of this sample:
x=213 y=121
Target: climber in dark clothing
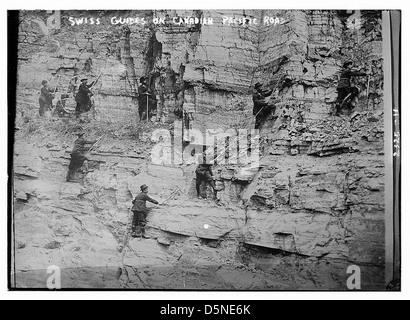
x=83 y=97
x=46 y=98
x=78 y=156
x=344 y=88
x=140 y=211
x=145 y=96
x=259 y=103
x=204 y=174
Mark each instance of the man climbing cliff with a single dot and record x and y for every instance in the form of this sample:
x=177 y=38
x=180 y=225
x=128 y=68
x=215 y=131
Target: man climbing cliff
x=140 y=211
x=46 y=98
x=78 y=157
x=204 y=175
x=146 y=99
x=260 y=110
x=83 y=97
x=347 y=92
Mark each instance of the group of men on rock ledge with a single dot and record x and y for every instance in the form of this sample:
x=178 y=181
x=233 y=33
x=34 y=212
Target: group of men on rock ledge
x=147 y=102
x=79 y=159
x=82 y=98
x=204 y=175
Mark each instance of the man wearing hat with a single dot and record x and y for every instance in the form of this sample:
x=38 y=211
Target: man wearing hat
x=83 y=97
x=140 y=211
x=146 y=99
x=259 y=103
x=46 y=98
x=344 y=87
x=204 y=175
x=78 y=156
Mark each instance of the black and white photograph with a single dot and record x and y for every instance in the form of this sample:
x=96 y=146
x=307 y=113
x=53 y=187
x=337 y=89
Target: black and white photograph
x=233 y=150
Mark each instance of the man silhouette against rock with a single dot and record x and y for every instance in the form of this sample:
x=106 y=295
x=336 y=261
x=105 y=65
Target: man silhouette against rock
x=46 y=98
x=83 y=97
x=259 y=104
x=146 y=99
x=78 y=158
x=204 y=175
x=346 y=92
x=140 y=211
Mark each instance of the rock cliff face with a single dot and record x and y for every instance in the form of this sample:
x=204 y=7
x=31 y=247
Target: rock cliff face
x=312 y=207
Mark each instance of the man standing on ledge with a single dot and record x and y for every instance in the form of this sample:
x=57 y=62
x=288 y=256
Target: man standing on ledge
x=46 y=98
x=83 y=97
x=146 y=99
x=140 y=211
x=260 y=106
x=204 y=175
